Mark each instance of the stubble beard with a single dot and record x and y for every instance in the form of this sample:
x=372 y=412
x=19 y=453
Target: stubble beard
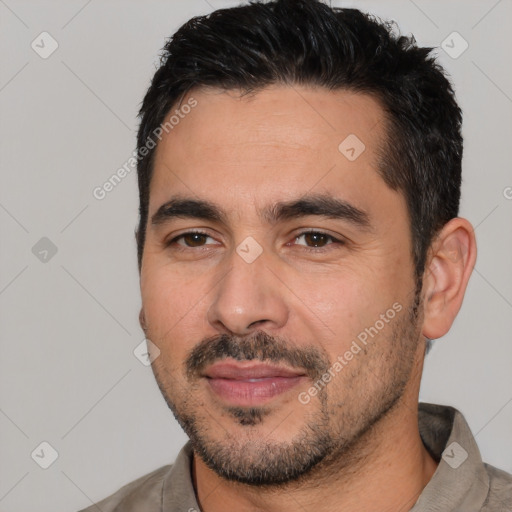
x=335 y=427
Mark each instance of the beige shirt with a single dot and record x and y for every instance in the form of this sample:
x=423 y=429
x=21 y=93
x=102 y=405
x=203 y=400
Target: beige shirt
x=461 y=482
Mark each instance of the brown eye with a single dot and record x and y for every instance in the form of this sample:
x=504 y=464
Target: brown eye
x=314 y=239
x=191 y=239
x=194 y=239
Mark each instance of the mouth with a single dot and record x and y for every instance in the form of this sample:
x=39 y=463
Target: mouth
x=250 y=383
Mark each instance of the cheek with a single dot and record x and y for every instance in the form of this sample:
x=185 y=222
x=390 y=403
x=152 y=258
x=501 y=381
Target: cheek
x=175 y=307
x=157 y=297
x=342 y=304
x=335 y=305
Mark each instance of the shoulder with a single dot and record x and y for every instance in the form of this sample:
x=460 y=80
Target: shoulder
x=499 y=498
x=140 y=494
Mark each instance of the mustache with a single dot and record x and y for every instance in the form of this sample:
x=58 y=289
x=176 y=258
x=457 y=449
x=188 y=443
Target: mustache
x=260 y=347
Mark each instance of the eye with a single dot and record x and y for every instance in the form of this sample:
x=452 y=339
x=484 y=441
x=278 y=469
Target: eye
x=191 y=239
x=316 y=239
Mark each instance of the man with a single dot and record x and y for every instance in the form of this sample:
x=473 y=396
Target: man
x=299 y=247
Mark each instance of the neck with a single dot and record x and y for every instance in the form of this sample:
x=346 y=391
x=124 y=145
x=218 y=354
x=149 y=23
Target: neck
x=385 y=470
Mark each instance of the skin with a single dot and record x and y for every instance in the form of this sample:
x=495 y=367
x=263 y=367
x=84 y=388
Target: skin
x=242 y=154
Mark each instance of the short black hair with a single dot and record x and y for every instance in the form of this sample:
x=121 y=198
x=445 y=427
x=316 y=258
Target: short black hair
x=306 y=42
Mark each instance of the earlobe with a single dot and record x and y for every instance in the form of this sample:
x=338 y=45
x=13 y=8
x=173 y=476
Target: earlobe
x=449 y=267
x=142 y=320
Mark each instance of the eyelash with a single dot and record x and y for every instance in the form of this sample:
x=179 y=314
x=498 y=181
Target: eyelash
x=334 y=241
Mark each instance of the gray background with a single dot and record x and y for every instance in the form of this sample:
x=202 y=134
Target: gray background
x=68 y=375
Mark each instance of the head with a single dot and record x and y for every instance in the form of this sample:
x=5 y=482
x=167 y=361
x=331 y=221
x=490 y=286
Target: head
x=299 y=177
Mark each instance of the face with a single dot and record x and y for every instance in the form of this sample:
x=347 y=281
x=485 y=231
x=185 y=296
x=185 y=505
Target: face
x=277 y=279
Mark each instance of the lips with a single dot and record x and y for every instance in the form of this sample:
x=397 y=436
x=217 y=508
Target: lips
x=248 y=383
x=248 y=370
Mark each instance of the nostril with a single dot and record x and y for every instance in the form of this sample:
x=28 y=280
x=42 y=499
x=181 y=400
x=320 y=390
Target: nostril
x=257 y=322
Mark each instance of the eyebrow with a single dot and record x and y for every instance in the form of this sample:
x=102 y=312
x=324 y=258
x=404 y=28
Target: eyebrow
x=188 y=208
x=317 y=205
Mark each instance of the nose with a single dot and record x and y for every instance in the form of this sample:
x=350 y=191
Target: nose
x=249 y=297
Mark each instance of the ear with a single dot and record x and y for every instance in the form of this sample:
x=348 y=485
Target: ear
x=137 y=243
x=142 y=320
x=451 y=260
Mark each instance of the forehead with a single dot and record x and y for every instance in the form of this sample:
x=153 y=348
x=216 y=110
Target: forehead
x=276 y=142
